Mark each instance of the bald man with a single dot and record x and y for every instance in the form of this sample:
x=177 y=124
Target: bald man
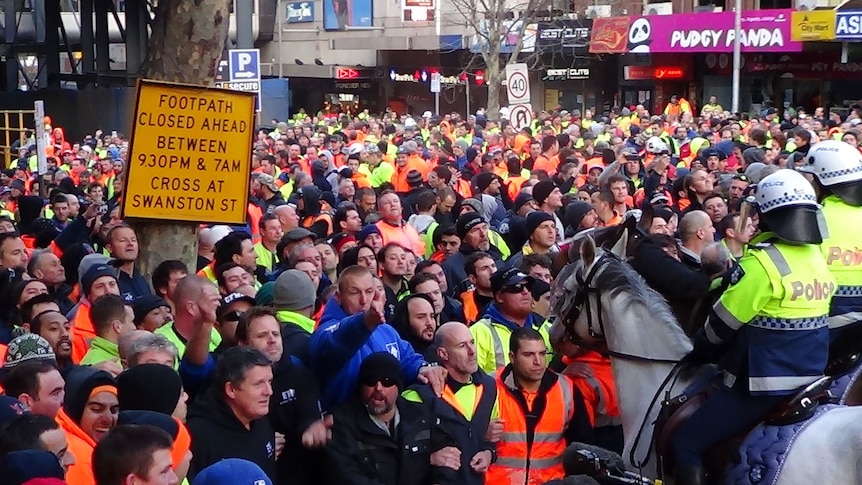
x=287 y=217
x=456 y=351
x=696 y=231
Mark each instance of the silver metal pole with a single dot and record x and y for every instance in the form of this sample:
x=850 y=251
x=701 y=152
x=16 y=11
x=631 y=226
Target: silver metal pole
x=243 y=10
x=281 y=14
x=737 y=54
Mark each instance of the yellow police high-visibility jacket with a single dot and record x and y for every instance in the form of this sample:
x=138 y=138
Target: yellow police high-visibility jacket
x=843 y=253
x=773 y=317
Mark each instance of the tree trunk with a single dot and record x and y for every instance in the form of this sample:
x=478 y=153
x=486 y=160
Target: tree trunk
x=494 y=77
x=187 y=41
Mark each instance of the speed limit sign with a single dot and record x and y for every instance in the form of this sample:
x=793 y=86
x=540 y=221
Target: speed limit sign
x=517 y=84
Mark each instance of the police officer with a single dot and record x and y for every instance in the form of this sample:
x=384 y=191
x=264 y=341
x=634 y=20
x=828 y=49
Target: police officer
x=769 y=327
x=836 y=174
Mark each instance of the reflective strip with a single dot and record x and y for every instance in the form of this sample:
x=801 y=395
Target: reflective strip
x=545 y=462
x=535 y=463
x=728 y=379
x=568 y=406
x=499 y=353
x=518 y=437
x=779 y=383
x=849 y=318
x=602 y=408
x=511 y=462
x=848 y=291
x=711 y=335
x=514 y=436
x=778 y=260
x=773 y=323
x=726 y=317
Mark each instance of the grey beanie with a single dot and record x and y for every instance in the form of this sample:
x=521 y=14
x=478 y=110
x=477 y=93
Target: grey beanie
x=294 y=290
x=88 y=262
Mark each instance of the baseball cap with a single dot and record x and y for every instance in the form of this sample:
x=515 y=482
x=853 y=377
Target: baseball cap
x=509 y=278
x=297 y=234
x=232 y=471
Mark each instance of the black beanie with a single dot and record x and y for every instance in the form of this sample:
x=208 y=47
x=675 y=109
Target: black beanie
x=542 y=190
x=381 y=365
x=80 y=382
x=575 y=212
x=471 y=153
x=535 y=218
x=483 y=180
x=466 y=222
x=149 y=387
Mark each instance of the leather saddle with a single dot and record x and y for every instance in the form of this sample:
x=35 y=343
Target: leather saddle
x=677 y=410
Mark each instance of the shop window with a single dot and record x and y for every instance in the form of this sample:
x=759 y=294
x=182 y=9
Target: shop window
x=771 y=4
x=710 y=5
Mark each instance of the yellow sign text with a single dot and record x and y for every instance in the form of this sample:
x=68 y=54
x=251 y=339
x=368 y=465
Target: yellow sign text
x=189 y=158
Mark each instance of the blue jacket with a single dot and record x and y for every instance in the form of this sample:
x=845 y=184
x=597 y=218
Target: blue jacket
x=342 y=341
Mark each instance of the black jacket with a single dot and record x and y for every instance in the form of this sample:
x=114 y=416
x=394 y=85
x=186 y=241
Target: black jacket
x=217 y=434
x=681 y=285
x=362 y=453
x=453 y=266
x=469 y=436
x=294 y=406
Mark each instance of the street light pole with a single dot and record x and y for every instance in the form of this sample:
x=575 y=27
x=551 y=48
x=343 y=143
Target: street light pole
x=281 y=14
x=437 y=30
x=737 y=54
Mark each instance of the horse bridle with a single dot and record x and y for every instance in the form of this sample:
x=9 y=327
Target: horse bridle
x=582 y=298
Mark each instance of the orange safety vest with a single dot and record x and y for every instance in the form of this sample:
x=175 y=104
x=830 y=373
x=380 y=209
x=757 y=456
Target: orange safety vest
x=522 y=463
x=404 y=235
x=399 y=178
x=208 y=272
x=311 y=220
x=549 y=165
x=600 y=395
x=255 y=214
x=471 y=309
x=82 y=332
x=515 y=183
x=81 y=446
x=464 y=188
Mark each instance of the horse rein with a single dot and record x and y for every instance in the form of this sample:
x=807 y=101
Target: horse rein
x=582 y=299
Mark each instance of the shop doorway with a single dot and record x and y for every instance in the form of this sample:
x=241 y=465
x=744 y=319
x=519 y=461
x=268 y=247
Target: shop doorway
x=635 y=96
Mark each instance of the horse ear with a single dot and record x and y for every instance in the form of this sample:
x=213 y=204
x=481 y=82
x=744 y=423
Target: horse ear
x=588 y=251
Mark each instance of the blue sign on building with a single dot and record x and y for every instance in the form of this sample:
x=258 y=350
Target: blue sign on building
x=300 y=12
x=848 y=25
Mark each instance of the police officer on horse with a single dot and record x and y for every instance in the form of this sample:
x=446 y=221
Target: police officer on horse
x=768 y=331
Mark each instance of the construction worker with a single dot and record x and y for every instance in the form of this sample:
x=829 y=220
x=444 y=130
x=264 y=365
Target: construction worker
x=770 y=325
x=835 y=170
x=511 y=308
x=469 y=398
x=542 y=412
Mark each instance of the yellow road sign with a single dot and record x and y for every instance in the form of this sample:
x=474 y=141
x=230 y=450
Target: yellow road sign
x=189 y=157
x=812 y=25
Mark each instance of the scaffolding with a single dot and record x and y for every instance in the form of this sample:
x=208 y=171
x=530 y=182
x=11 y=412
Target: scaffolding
x=17 y=124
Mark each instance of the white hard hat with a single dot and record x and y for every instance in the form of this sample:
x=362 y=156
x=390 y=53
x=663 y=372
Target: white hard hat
x=656 y=145
x=784 y=188
x=833 y=162
x=426 y=114
x=409 y=123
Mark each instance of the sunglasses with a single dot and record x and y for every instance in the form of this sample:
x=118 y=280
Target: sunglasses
x=233 y=316
x=515 y=289
x=741 y=177
x=372 y=382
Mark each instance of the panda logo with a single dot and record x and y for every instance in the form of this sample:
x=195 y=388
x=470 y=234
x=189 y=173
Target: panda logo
x=639 y=36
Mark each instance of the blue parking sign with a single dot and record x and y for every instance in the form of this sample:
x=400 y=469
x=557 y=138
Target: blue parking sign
x=244 y=64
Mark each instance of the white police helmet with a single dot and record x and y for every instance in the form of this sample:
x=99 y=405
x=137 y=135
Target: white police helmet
x=784 y=188
x=837 y=167
x=788 y=206
x=656 y=145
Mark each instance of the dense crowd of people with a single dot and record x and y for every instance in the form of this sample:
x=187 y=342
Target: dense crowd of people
x=383 y=316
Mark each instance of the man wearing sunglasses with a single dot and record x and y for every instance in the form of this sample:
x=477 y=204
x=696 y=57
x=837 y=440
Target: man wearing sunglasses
x=380 y=437
x=511 y=309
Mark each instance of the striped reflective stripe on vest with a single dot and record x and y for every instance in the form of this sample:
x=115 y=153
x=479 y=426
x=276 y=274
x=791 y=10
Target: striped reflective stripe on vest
x=499 y=353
